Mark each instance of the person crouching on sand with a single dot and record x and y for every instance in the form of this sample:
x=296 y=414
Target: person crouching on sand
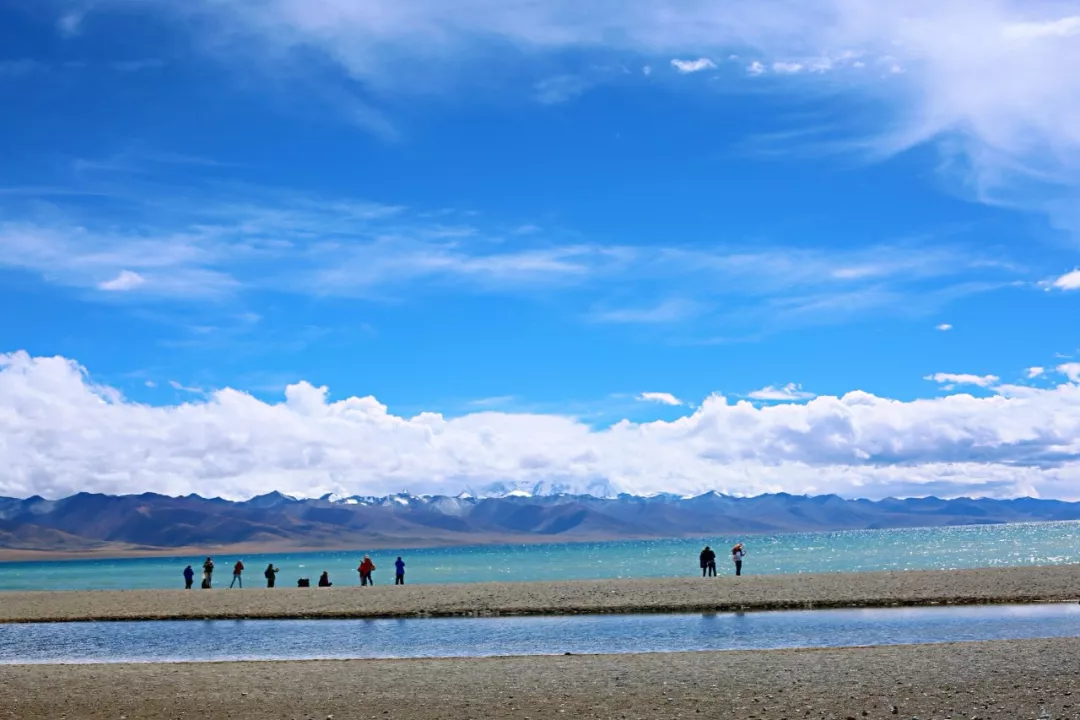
x=737 y=554
x=324 y=579
x=270 y=575
x=238 y=568
x=189 y=577
x=365 y=570
x=208 y=573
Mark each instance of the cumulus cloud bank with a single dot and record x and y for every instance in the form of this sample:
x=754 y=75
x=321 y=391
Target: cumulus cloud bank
x=61 y=433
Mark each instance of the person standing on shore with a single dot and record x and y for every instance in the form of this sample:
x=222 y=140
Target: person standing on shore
x=189 y=577
x=365 y=570
x=270 y=575
x=737 y=554
x=708 y=562
x=237 y=569
x=399 y=571
x=208 y=573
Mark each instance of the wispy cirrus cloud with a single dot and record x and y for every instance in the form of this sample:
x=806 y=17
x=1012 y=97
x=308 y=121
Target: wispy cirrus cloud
x=791 y=392
x=952 y=379
x=926 y=63
x=660 y=397
x=562 y=88
x=692 y=66
x=215 y=242
x=668 y=311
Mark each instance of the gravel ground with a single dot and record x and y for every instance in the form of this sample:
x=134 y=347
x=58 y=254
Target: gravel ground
x=1014 y=680
x=695 y=594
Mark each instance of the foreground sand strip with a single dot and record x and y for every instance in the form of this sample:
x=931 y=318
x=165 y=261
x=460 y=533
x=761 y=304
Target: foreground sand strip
x=992 y=681
x=776 y=592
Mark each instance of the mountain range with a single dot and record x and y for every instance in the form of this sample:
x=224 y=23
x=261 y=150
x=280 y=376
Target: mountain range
x=158 y=523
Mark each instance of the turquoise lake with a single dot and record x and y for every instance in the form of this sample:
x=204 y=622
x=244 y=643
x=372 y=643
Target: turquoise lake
x=844 y=551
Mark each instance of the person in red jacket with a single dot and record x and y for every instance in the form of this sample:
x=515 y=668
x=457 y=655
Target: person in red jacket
x=365 y=569
x=237 y=569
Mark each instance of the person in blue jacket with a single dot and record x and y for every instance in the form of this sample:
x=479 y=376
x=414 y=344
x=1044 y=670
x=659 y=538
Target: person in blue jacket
x=189 y=577
x=399 y=572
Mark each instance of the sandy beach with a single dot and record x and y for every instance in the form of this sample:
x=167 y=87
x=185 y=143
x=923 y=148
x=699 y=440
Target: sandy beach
x=991 y=681
x=693 y=594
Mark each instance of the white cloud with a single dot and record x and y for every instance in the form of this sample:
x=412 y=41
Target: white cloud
x=755 y=68
x=693 y=66
x=647 y=70
x=984 y=381
x=944 y=327
x=1071 y=371
x=126 y=280
x=660 y=397
x=60 y=433
x=1068 y=281
x=787 y=68
x=1035 y=372
x=788 y=393
x=1063 y=27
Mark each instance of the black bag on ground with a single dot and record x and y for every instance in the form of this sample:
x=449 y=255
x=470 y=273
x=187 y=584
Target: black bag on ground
x=303 y=582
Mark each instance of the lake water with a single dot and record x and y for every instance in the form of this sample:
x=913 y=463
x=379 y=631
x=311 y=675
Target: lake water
x=846 y=551
x=221 y=640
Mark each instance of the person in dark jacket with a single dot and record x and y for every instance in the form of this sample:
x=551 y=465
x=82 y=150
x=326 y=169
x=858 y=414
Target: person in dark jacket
x=708 y=562
x=324 y=579
x=270 y=575
x=189 y=577
x=399 y=572
x=208 y=573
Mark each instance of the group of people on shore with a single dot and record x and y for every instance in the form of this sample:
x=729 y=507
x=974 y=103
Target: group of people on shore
x=366 y=570
x=708 y=560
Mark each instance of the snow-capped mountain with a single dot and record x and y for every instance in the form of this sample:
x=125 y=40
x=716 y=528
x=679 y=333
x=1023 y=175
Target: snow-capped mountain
x=517 y=513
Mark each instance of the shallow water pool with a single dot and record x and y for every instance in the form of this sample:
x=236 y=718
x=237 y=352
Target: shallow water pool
x=220 y=640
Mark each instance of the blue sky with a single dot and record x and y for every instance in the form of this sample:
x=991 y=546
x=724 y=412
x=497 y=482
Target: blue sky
x=511 y=212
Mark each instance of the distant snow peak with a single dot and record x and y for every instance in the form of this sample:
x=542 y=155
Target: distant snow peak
x=600 y=488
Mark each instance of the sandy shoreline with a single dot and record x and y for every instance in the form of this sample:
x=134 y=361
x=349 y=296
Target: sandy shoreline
x=990 y=681
x=693 y=594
